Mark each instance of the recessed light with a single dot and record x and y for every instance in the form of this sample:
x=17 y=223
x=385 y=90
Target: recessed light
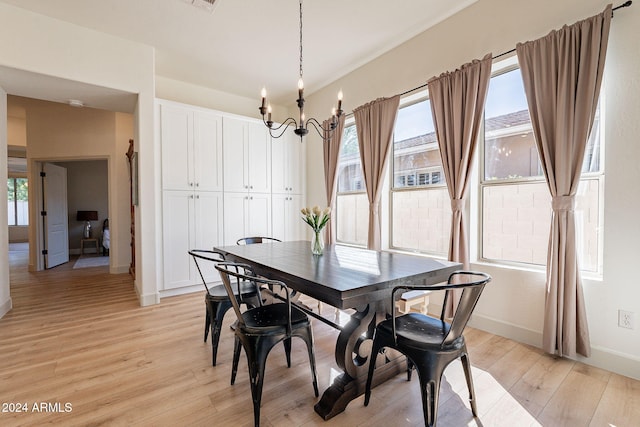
x=76 y=103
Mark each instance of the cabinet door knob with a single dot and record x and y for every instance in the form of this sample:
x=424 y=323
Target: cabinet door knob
x=246 y=186
x=251 y=186
x=191 y=184
x=191 y=196
x=198 y=196
x=197 y=184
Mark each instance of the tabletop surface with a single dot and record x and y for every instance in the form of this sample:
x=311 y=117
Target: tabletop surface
x=343 y=276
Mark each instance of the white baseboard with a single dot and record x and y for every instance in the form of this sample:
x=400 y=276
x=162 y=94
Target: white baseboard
x=181 y=291
x=6 y=307
x=620 y=363
x=146 y=299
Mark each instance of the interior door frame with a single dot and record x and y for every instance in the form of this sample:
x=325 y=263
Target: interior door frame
x=34 y=166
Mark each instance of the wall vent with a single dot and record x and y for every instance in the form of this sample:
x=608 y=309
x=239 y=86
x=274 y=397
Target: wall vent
x=208 y=5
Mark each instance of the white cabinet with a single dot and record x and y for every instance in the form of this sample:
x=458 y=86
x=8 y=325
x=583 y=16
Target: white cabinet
x=245 y=215
x=191 y=150
x=287 y=220
x=247 y=156
x=191 y=220
x=191 y=141
x=288 y=160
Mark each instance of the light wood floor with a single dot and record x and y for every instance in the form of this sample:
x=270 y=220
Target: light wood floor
x=79 y=337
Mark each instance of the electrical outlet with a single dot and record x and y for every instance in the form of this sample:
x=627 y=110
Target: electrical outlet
x=625 y=319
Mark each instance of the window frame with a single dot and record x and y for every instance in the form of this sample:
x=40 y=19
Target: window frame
x=422 y=96
x=498 y=69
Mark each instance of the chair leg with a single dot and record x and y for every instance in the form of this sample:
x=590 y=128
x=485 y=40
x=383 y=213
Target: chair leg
x=287 y=350
x=207 y=321
x=218 y=310
x=464 y=358
x=430 y=390
x=312 y=359
x=375 y=349
x=236 y=359
x=256 y=358
x=410 y=367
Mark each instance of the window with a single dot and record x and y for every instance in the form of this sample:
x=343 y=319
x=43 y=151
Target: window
x=18 y=201
x=352 y=205
x=516 y=212
x=420 y=206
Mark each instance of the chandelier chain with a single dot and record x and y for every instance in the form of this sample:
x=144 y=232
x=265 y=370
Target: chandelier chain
x=300 y=38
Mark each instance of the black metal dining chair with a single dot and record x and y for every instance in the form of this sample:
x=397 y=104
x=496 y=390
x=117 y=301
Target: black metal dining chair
x=430 y=344
x=259 y=329
x=216 y=300
x=256 y=239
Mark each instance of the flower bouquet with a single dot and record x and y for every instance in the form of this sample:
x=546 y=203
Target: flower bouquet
x=316 y=219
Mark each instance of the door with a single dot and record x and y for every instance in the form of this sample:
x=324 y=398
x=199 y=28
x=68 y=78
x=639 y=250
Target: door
x=56 y=224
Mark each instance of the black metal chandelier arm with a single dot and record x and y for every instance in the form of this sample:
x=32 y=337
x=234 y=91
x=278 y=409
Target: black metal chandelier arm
x=320 y=129
x=284 y=126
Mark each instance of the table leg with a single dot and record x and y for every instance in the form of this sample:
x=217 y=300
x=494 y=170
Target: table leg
x=353 y=348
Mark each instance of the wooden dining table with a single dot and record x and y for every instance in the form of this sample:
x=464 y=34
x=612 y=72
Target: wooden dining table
x=346 y=278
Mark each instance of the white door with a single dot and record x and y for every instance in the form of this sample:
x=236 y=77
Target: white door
x=56 y=242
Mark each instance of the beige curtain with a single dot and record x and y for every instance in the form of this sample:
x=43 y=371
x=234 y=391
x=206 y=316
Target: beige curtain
x=457 y=104
x=562 y=73
x=374 y=124
x=331 y=150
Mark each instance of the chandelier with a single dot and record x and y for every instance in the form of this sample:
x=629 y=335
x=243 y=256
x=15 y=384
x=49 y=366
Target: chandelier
x=302 y=125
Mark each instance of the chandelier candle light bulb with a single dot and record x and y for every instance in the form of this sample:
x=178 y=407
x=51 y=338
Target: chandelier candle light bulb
x=317 y=219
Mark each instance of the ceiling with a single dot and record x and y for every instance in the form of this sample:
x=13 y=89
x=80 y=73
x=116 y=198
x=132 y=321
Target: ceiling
x=242 y=45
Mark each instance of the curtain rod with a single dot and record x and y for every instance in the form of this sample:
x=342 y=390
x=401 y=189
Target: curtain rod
x=625 y=4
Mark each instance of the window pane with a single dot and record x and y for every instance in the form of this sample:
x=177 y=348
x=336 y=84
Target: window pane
x=509 y=148
x=416 y=158
x=352 y=217
x=517 y=221
x=349 y=163
x=421 y=220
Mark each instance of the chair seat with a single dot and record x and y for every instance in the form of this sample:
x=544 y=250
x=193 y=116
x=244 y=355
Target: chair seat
x=218 y=293
x=273 y=318
x=418 y=330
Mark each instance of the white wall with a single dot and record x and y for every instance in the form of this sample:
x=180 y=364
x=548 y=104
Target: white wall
x=5 y=297
x=513 y=303
x=76 y=53
x=191 y=94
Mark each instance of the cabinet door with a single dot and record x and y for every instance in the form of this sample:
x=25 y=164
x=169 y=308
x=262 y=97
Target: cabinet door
x=296 y=159
x=234 y=154
x=287 y=164
x=207 y=151
x=259 y=157
x=176 y=138
x=296 y=228
x=234 y=217
x=279 y=169
x=208 y=229
x=258 y=215
x=286 y=218
x=178 y=231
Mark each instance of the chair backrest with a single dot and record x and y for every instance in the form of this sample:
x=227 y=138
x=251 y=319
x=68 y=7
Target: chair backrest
x=472 y=284
x=202 y=257
x=256 y=239
x=233 y=274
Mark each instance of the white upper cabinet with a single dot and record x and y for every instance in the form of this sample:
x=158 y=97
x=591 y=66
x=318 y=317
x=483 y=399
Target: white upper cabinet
x=191 y=148
x=247 y=156
x=288 y=164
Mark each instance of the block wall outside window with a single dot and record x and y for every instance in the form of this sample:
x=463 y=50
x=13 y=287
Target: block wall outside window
x=421 y=220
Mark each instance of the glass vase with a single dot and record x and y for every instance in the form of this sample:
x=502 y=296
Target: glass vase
x=317 y=243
